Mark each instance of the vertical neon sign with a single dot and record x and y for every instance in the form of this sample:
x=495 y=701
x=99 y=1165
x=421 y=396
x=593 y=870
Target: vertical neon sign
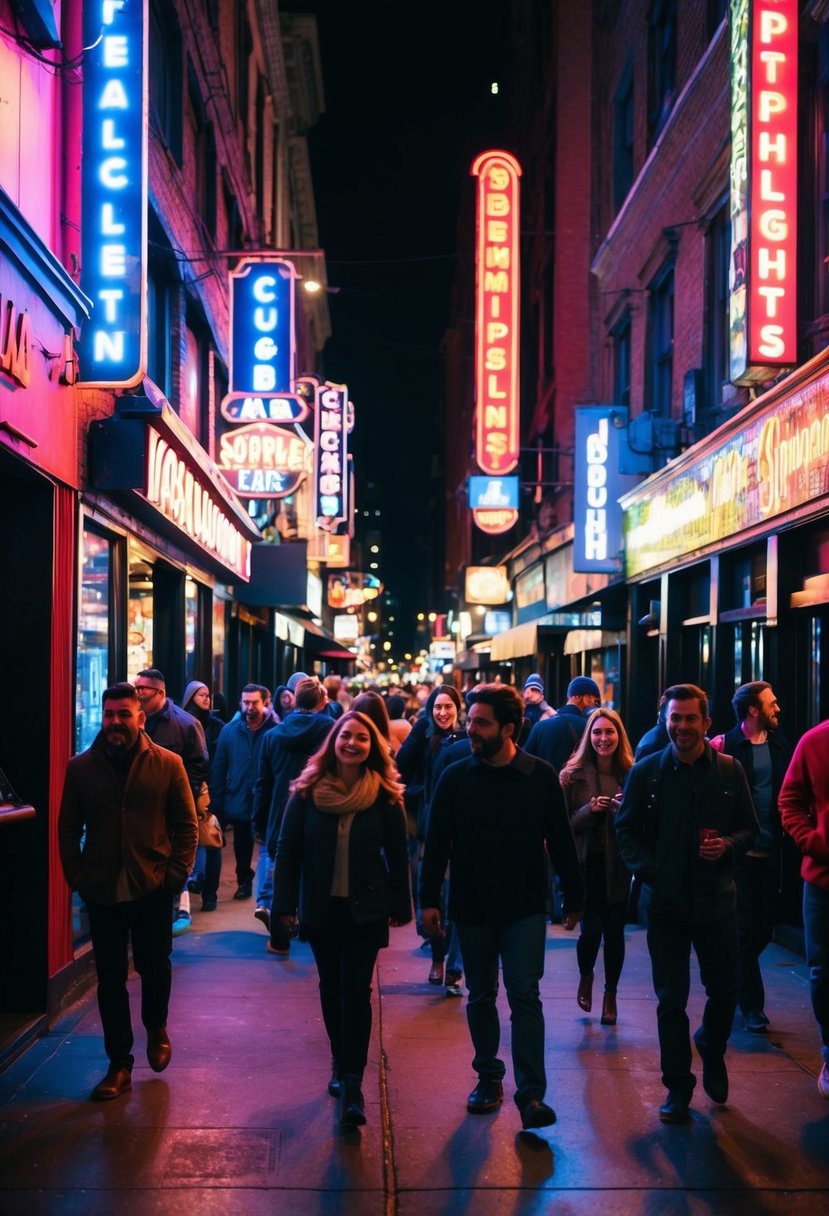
x=113 y=345
x=763 y=273
x=497 y=305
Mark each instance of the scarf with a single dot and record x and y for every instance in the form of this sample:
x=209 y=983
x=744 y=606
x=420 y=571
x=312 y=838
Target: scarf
x=330 y=793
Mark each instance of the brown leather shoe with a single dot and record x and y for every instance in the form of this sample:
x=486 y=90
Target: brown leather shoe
x=159 y=1048
x=584 y=996
x=116 y=1082
x=436 y=973
x=609 y=1009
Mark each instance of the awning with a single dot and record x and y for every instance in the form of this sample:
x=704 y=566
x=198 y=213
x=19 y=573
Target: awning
x=515 y=643
x=306 y=634
x=580 y=640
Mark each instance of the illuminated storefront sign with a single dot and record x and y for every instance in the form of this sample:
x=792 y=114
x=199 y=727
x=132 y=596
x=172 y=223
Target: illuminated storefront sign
x=487 y=585
x=351 y=589
x=763 y=268
x=331 y=471
x=778 y=462
x=15 y=342
x=495 y=520
x=284 y=407
x=493 y=492
x=172 y=488
x=497 y=301
x=263 y=345
x=262 y=460
x=597 y=516
x=112 y=346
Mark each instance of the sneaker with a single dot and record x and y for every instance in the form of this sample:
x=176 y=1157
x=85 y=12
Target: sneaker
x=755 y=1021
x=454 y=990
x=823 y=1082
x=264 y=914
x=181 y=924
x=453 y=983
x=282 y=953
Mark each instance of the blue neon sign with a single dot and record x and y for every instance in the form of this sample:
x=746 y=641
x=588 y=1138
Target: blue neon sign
x=112 y=348
x=262 y=329
x=493 y=492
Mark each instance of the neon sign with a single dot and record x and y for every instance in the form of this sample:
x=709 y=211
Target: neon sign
x=597 y=516
x=331 y=473
x=497 y=312
x=763 y=268
x=263 y=344
x=262 y=460
x=112 y=349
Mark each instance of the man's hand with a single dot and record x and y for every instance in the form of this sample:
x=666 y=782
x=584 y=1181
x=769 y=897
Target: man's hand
x=570 y=919
x=430 y=919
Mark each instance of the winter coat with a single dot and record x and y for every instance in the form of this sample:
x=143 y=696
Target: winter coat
x=591 y=828
x=235 y=767
x=282 y=758
x=555 y=739
x=149 y=828
x=179 y=732
x=804 y=804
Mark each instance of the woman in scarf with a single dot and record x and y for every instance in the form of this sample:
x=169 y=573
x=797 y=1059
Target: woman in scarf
x=342 y=866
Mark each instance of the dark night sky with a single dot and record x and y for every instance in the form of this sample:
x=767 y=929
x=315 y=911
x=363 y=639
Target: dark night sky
x=408 y=106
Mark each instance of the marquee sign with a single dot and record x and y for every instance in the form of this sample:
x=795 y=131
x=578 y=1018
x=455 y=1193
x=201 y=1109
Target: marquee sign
x=763 y=267
x=262 y=338
x=262 y=460
x=331 y=471
x=597 y=516
x=497 y=299
x=112 y=349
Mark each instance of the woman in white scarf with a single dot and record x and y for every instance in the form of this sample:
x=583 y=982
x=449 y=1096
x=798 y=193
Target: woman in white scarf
x=342 y=870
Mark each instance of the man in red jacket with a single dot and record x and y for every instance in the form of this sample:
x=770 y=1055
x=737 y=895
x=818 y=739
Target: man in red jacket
x=804 y=811
x=127 y=832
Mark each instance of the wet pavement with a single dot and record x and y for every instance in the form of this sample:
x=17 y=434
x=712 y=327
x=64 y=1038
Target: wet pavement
x=241 y=1121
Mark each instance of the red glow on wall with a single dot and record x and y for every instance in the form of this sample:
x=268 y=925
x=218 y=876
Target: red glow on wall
x=772 y=312
x=497 y=302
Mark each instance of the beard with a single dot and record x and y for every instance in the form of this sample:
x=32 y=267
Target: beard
x=486 y=748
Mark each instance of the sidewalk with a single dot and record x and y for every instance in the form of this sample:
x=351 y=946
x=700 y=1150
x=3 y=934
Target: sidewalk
x=241 y=1121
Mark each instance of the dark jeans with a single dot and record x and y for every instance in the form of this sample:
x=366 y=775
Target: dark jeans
x=758 y=881
x=602 y=919
x=816 y=928
x=345 y=954
x=148 y=923
x=669 y=944
x=520 y=947
x=243 y=849
x=212 y=873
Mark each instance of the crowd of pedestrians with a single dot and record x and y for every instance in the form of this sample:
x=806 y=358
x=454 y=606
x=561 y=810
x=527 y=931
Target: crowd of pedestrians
x=483 y=817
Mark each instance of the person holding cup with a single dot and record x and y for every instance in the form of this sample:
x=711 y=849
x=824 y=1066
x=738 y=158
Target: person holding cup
x=688 y=888
x=592 y=781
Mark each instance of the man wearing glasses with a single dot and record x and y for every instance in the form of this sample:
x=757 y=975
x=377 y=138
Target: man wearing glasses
x=179 y=732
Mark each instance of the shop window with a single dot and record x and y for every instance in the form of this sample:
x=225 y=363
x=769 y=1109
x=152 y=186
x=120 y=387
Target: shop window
x=661 y=65
x=140 y=615
x=623 y=138
x=219 y=637
x=94 y=635
x=661 y=342
x=165 y=71
x=191 y=626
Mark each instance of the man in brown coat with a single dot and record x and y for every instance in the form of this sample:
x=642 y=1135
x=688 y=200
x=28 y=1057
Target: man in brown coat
x=127 y=833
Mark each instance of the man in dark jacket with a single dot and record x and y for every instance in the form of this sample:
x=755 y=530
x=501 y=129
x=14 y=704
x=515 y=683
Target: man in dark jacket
x=685 y=814
x=494 y=816
x=764 y=754
x=233 y=772
x=282 y=758
x=555 y=739
x=127 y=834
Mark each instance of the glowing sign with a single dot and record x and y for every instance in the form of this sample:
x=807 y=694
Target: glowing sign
x=331 y=473
x=493 y=492
x=262 y=460
x=285 y=407
x=487 y=585
x=196 y=508
x=15 y=342
x=763 y=268
x=112 y=350
x=597 y=516
x=495 y=520
x=497 y=299
x=263 y=345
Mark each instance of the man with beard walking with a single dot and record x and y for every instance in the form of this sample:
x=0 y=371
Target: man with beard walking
x=127 y=833
x=495 y=817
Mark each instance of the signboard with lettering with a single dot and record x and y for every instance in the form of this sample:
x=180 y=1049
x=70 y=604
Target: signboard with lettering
x=763 y=267
x=493 y=492
x=262 y=460
x=331 y=472
x=597 y=516
x=497 y=315
x=112 y=349
x=775 y=462
x=262 y=340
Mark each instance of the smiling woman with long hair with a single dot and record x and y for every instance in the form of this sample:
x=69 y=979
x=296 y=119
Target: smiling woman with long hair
x=342 y=869
x=592 y=780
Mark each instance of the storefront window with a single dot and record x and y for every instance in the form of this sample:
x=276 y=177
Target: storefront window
x=219 y=645
x=191 y=620
x=140 y=629
x=92 y=670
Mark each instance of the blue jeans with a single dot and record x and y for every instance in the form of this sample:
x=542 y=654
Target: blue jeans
x=264 y=878
x=520 y=947
x=816 y=929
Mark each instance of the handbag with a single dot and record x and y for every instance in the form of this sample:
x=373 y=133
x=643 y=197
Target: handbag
x=210 y=830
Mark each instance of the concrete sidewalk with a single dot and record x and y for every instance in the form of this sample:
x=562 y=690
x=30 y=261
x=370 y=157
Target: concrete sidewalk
x=241 y=1121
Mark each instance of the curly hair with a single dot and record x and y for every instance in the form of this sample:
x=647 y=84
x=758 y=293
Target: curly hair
x=585 y=756
x=323 y=763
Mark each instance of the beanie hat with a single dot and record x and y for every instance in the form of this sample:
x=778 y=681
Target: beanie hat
x=295 y=679
x=534 y=681
x=583 y=686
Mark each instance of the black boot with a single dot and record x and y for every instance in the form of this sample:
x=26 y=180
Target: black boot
x=353 y=1113
x=335 y=1085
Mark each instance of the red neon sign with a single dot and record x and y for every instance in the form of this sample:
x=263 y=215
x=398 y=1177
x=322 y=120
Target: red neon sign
x=497 y=311
x=772 y=309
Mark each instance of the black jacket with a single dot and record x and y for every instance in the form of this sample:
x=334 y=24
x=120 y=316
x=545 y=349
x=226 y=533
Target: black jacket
x=284 y=753
x=736 y=744
x=555 y=739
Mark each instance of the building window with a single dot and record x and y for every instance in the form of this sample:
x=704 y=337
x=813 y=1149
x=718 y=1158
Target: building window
x=623 y=138
x=141 y=615
x=203 y=145
x=165 y=71
x=661 y=342
x=159 y=315
x=716 y=361
x=621 y=362
x=661 y=64
x=94 y=635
